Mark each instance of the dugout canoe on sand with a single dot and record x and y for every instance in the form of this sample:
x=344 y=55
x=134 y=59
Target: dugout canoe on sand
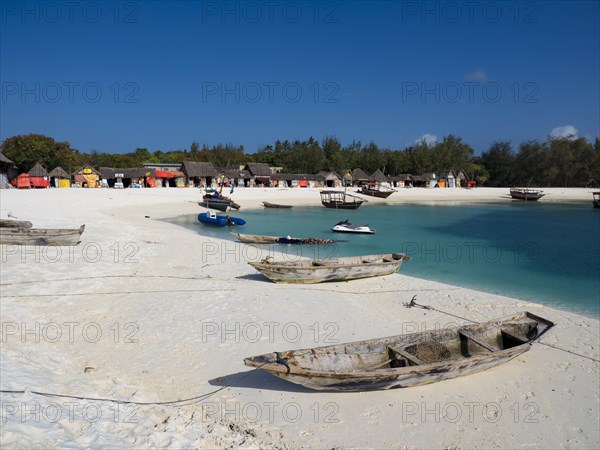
x=258 y=239
x=308 y=271
x=407 y=360
x=41 y=236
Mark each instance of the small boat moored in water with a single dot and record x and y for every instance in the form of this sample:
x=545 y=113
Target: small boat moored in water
x=526 y=194
x=275 y=205
x=40 y=236
x=407 y=360
x=308 y=271
x=340 y=200
x=212 y=218
x=346 y=227
x=596 y=201
x=256 y=239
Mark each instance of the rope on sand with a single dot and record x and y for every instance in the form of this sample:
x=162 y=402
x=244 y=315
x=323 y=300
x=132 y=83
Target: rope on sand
x=177 y=403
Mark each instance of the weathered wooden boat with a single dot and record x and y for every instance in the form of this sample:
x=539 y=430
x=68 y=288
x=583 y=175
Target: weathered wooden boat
x=340 y=200
x=275 y=205
x=256 y=239
x=526 y=194
x=596 y=201
x=220 y=204
x=41 y=236
x=407 y=360
x=212 y=218
x=308 y=271
x=10 y=223
x=379 y=191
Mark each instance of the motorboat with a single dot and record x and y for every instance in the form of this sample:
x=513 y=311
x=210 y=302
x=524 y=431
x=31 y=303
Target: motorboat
x=346 y=227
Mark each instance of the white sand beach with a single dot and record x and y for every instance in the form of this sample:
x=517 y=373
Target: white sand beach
x=146 y=311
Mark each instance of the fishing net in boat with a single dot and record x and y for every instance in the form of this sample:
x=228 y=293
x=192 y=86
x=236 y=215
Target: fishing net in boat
x=429 y=352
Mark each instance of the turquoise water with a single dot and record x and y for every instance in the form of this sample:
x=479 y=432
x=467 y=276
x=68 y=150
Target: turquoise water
x=546 y=253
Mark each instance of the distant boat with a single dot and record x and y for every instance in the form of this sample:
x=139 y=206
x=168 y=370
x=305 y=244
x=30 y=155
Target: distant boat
x=596 y=201
x=526 y=194
x=10 y=223
x=407 y=360
x=256 y=239
x=346 y=227
x=379 y=191
x=211 y=218
x=40 y=236
x=308 y=271
x=214 y=200
x=340 y=200
x=275 y=205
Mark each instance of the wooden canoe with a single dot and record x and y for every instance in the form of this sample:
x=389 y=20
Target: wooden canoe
x=407 y=360
x=377 y=192
x=529 y=195
x=308 y=271
x=41 y=236
x=10 y=223
x=275 y=205
x=257 y=239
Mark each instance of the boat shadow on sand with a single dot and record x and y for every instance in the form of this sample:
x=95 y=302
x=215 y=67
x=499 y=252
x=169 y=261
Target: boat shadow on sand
x=257 y=379
x=253 y=277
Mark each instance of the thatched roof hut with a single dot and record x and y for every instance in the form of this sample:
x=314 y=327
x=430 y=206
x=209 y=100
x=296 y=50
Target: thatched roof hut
x=259 y=170
x=38 y=171
x=195 y=169
x=59 y=172
x=379 y=177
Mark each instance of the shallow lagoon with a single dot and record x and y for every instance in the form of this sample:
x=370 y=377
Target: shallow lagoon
x=546 y=253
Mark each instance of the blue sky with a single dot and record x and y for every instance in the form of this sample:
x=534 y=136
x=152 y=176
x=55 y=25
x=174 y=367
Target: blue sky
x=114 y=76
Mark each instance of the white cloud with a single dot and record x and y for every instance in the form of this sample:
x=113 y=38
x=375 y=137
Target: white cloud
x=429 y=139
x=566 y=131
x=478 y=75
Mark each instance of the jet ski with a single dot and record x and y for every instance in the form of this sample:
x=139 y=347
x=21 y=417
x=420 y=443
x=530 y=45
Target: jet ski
x=346 y=227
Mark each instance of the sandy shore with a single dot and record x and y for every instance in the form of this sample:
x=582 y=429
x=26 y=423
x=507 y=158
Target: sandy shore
x=147 y=311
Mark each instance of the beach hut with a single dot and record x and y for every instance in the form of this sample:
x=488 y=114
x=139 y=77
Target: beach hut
x=38 y=176
x=402 y=180
x=330 y=179
x=379 y=178
x=236 y=176
x=87 y=176
x=260 y=173
x=461 y=178
x=359 y=177
x=59 y=178
x=8 y=171
x=199 y=174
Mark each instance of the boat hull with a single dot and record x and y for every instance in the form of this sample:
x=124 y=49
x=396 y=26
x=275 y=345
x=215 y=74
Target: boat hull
x=340 y=200
x=377 y=192
x=220 y=221
x=275 y=205
x=256 y=239
x=334 y=269
x=373 y=364
x=528 y=195
x=41 y=236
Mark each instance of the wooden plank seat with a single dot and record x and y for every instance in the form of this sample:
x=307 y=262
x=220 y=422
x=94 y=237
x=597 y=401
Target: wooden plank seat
x=479 y=342
x=412 y=358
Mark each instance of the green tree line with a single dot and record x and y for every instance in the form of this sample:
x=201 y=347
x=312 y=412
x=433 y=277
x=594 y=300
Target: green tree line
x=564 y=162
